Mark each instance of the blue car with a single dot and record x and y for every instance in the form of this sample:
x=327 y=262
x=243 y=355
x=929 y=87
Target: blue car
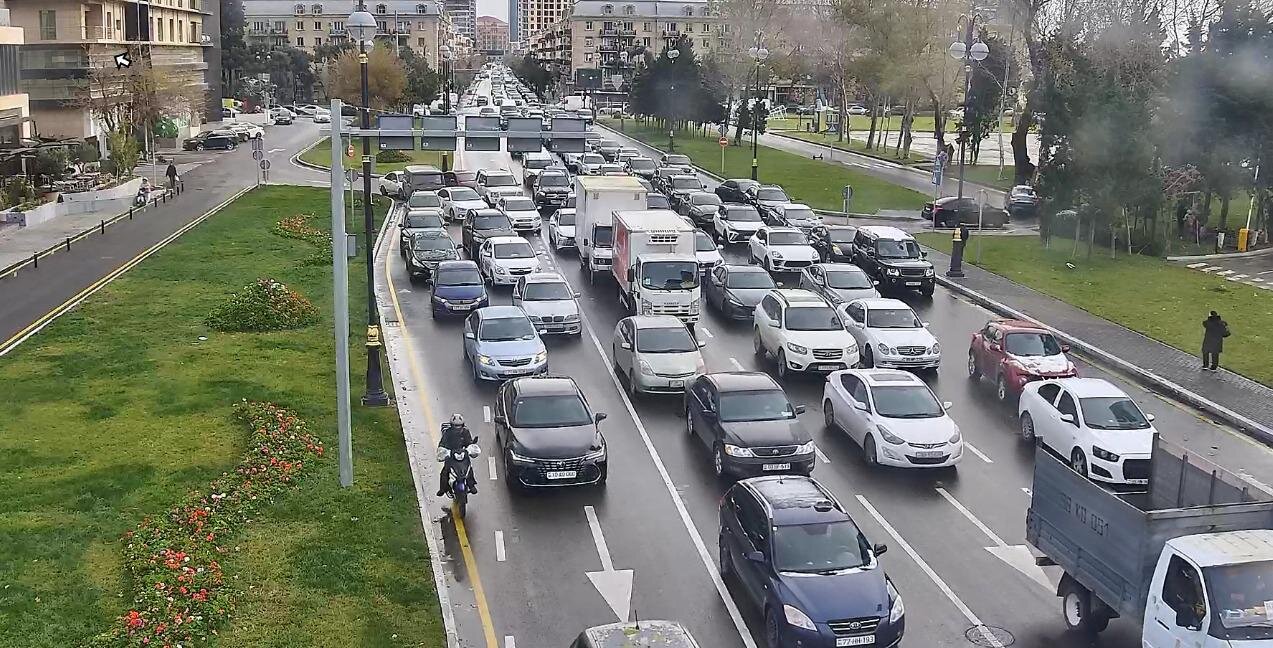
x=458 y=289
x=500 y=342
x=792 y=549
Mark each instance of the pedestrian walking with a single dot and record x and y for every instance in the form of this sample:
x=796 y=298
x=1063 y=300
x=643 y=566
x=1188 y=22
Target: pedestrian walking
x=172 y=176
x=1214 y=331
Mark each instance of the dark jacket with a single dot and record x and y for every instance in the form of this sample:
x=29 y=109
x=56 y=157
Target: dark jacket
x=1214 y=331
x=454 y=438
x=172 y=171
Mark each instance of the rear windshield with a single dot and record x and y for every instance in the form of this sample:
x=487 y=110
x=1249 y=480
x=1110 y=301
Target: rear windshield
x=641 y=165
x=841 y=235
x=491 y=221
x=686 y=183
x=538 y=163
x=799 y=214
x=425 y=179
x=705 y=199
x=772 y=193
x=657 y=201
x=425 y=199
x=501 y=180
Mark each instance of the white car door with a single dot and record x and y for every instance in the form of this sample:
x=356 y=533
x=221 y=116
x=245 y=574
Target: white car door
x=623 y=335
x=764 y=320
x=855 y=322
x=1047 y=420
x=856 y=418
x=1071 y=433
x=757 y=244
x=486 y=259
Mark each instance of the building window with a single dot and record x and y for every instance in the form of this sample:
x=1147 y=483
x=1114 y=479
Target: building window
x=587 y=42
x=194 y=32
x=421 y=9
x=629 y=10
x=317 y=9
x=706 y=43
x=671 y=27
x=338 y=26
x=172 y=29
x=707 y=28
x=48 y=24
x=300 y=41
x=588 y=25
x=645 y=26
x=645 y=41
x=689 y=28
x=318 y=42
x=159 y=24
x=381 y=9
x=587 y=57
x=300 y=25
x=607 y=10
x=318 y=26
x=420 y=43
x=300 y=9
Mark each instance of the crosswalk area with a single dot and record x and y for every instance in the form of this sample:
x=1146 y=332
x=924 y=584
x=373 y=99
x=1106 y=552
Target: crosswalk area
x=1251 y=279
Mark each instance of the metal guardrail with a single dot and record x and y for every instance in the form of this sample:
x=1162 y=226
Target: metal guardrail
x=34 y=260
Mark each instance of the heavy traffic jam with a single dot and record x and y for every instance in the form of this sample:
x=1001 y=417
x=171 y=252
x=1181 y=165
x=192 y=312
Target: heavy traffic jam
x=517 y=261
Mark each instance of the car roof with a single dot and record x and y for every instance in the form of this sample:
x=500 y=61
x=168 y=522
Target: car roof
x=545 y=385
x=881 y=302
x=458 y=265
x=486 y=211
x=500 y=312
x=795 y=499
x=507 y=239
x=1090 y=387
x=738 y=267
x=885 y=232
x=742 y=381
x=880 y=377
x=787 y=230
x=641 y=634
x=430 y=233
x=787 y=206
x=797 y=298
x=1018 y=326
x=656 y=321
x=543 y=277
x=421 y=168
x=839 y=267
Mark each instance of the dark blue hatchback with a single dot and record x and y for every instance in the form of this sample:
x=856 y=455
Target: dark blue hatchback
x=458 y=289
x=793 y=551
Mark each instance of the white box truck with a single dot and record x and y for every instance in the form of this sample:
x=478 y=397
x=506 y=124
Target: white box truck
x=596 y=200
x=655 y=264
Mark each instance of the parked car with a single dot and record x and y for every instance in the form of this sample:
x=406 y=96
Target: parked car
x=735 y=290
x=952 y=210
x=856 y=109
x=522 y=212
x=548 y=435
x=802 y=333
x=700 y=207
x=748 y=424
x=1013 y=353
x=506 y=259
x=834 y=243
x=561 y=229
x=223 y=140
x=457 y=289
x=893 y=416
x=735 y=223
x=501 y=343
x=893 y=258
x=1021 y=201
x=1092 y=424
x=838 y=282
x=415 y=221
x=781 y=249
x=458 y=201
x=890 y=334
x=707 y=252
x=798 y=556
x=549 y=302
x=481 y=224
x=426 y=250
x=735 y=189
x=656 y=353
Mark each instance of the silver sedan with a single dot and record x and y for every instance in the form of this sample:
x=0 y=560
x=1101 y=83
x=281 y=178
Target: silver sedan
x=656 y=353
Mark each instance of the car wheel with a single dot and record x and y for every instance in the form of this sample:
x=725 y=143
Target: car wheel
x=1027 y=428
x=869 y=453
x=974 y=372
x=757 y=346
x=771 y=629
x=198 y=147
x=927 y=291
x=1001 y=389
x=718 y=460
x=868 y=357
x=726 y=563
x=1076 y=608
x=828 y=415
x=1078 y=462
x=689 y=422
x=782 y=365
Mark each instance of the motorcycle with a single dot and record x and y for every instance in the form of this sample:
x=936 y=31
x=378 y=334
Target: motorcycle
x=460 y=461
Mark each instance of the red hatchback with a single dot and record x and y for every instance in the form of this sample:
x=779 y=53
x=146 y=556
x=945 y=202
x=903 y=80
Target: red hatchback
x=1015 y=352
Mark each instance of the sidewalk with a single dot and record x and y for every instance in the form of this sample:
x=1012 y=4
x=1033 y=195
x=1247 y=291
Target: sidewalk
x=1239 y=401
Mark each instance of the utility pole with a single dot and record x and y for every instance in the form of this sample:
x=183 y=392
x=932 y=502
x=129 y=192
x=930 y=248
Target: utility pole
x=340 y=305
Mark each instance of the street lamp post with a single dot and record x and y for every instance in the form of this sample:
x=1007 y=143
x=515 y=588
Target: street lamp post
x=757 y=54
x=967 y=51
x=672 y=54
x=362 y=25
x=444 y=52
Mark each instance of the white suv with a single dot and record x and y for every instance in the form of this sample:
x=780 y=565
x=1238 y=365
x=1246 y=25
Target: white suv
x=781 y=249
x=802 y=332
x=893 y=416
x=494 y=184
x=1092 y=424
x=503 y=260
x=891 y=334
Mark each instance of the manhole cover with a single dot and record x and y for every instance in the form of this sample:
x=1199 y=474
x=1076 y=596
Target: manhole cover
x=989 y=636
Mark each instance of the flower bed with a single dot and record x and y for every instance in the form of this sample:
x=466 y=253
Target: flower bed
x=298 y=227
x=174 y=559
x=263 y=305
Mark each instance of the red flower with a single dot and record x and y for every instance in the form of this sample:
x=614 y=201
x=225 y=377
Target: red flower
x=134 y=619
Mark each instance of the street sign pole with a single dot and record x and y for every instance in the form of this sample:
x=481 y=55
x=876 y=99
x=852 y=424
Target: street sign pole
x=340 y=289
x=848 y=198
x=723 y=141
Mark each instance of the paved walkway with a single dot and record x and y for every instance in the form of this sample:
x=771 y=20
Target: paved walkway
x=1239 y=401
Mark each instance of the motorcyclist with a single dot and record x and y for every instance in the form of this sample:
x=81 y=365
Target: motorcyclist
x=455 y=435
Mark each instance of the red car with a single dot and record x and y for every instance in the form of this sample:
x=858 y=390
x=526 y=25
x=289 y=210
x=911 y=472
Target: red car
x=460 y=178
x=1015 y=352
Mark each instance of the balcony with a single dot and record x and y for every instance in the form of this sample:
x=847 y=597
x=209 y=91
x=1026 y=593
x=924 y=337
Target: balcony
x=609 y=46
x=667 y=33
x=627 y=32
x=337 y=31
x=97 y=32
x=609 y=32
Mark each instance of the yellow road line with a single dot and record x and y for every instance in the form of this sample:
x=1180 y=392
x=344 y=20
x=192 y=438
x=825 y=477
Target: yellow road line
x=466 y=549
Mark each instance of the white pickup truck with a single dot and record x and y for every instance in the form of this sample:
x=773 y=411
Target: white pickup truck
x=655 y=264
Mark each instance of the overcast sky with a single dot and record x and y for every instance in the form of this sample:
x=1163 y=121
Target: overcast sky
x=497 y=8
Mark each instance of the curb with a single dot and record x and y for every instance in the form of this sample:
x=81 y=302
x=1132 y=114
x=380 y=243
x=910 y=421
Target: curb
x=296 y=159
x=1222 y=255
x=1252 y=428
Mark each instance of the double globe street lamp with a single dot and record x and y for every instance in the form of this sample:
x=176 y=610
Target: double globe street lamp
x=445 y=53
x=968 y=52
x=672 y=55
x=757 y=54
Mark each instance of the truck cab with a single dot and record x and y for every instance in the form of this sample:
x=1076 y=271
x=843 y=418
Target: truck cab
x=656 y=265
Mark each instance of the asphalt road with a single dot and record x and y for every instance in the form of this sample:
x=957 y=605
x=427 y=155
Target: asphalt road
x=28 y=297
x=658 y=513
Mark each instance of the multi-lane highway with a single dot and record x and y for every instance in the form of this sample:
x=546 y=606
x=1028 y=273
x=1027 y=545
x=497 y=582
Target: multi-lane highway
x=956 y=538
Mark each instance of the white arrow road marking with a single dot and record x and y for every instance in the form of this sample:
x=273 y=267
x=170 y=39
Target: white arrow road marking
x=490 y=465
x=509 y=642
x=614 y=585
x=500 y=554
x=1017 y=557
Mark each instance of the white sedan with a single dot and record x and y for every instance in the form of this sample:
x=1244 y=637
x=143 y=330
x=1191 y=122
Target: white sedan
x=1092 y=424
x=503 y=260
x=457 y=201
x=561 y=229
x=781 y=249
x=390 y=184
x=893 y=416
x=890 y=334
x=247 y=131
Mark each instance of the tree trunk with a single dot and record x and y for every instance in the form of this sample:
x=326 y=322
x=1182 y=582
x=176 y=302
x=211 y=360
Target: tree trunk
x=870 y=136
x=844 y=116
x=1204 y=218
x=1224 y=211
x=939 y=122
x=1024 y=168
x=908 y=123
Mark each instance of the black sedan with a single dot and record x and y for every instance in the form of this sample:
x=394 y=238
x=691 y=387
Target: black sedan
x=735 y=189
x=746 y=421
x=734 y=290
x=481 y=224
x=834 y=243
x=951 y=211
x=547 y=434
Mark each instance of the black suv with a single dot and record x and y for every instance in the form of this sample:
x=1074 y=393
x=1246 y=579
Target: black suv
x=481 y=224
x=797 y=554
x=893 y=258
x=735 y=189
x=547 y=434
x=551 y=189
x=744 y=417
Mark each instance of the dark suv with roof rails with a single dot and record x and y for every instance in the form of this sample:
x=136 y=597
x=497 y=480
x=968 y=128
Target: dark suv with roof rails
x=893 y=259
x=789 y=546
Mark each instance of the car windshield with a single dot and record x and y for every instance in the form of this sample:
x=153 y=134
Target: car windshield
x=1112 y=413
x=547 y=291
x=685 y=182
x=703 y=242
x=491 y=222
x=418 y=221
x=1031 y=344
x=424 y=200
x=591 y=158
x=426 y=243
x=676 y=159
x=657 y=201
x=665 y=340
x=464 y=193
x=1243 y=594
x=906 y=401
x=742 y=215
x=787 y=238
x=669 y=275
x=749 y=280
x=799 y=214
x=772 y=193
x=458 y=277
x=820 y=547
x=892 y=318
x=519 y=250
x=890 y=249
x=519 y=204
x=556 y=410
x=756 y=405
x=504 y=329
x=603 y=236
x=553 y=180
x=816 y=318
x=705 y=199
x=841 y=235
x=537 y=163
x=639 y=164
x=848 y=279
x=565 y=217
x=501 y=180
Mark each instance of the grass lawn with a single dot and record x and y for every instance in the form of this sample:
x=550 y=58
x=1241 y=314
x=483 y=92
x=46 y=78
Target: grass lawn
x=1161 y=300
x=322 y=156
x=812 y=182
x=119 y=408
x=985 y=174
x=856 y=145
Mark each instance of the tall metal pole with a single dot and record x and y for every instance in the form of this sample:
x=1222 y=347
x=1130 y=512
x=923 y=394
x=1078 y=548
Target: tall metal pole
x=755 y=105
x=340 y=303
x=375 y=395
x=963 y=139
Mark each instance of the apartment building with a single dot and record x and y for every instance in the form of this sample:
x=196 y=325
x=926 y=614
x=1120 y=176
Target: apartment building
x=463 y=15
x=66 y=39
x=15 y=108
x=421 y=25
x=536 y=16
x=492 y=36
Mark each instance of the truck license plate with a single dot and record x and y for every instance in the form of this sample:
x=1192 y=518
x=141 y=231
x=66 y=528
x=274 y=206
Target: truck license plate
x=928 y=454
x=561 y=474
x=778 y=466
x=854 y=641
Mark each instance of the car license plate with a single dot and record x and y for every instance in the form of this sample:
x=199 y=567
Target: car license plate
x=561 y=474
x=912 y=283
x=826 y=367
x=779 y=466
x=1138 y=481
x=854 y=641
x=461 y=306
x=928 y=454
x=677 y=384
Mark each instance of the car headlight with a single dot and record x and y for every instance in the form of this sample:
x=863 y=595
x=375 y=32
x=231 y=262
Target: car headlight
x=500 y=270
x=515 y=456
x=836 y=249
x=889 y=436
x=439 y=300
x=738 y=451
x=851 y=349
x=956 y=437
x=573 y=317
x=595 y=455
x=797 y=618
x=776 y=254
x=486 y=360
x=1102 y=453
x=646 y=368
x=928 y=272
x=805 y=448
x=936 y=347
x=542 y=356
x=646 y=307
x=897 y=609
x=797 y=349
x=694 y=308
x=892 y=272
x=734 y=302
x=884 y=349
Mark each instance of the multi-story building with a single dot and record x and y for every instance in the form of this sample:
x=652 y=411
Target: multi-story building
x=418 y=24
x=68 y=42
x=536 y=16
x=463 y=13
x=492 y=36
x=514 y=21
x=15 y=109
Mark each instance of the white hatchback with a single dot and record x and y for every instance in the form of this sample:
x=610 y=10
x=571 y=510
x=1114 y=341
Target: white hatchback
x=1092 y=424
x=893 y=416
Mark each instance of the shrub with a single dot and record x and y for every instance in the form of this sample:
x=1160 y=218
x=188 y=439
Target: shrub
x=392 y=156
x=165 y=128
x=173 y=560
x=52 y=162
x=18 y=191
x=298 y=227
x=264 y=305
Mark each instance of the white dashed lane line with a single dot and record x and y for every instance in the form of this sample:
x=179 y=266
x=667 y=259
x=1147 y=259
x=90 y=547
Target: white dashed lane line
x=500 y=554
x=980 y=455
x=738 y=366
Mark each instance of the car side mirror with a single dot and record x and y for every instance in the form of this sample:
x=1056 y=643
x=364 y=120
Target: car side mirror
x=1065 y=348
x=779 y=284
x=925 y=324
x=800 y=409
x=860 y=405
x=703 y=344
x=720 y=247
x=923 y=255
x=1069 y=418
x=879 y=549
x=756 y=556
x=709 y=413
x=578 y=295
x=469 y=335
x=599 y=417
x=626 y=346
x=500 y=420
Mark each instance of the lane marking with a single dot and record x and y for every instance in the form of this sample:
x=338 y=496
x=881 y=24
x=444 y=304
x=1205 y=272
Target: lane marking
x=1259 y=279
x=500 y=554
x=486 y=413
x=1210 y=268
x=1265 y=272
x=821 y=457
x=1196 y=265
x=509 y=642
x=1224 y=273
x=491 y=467
x=599 y=539
x=932 y=575
x=971 y=518
x=737 y=365
x=980 y=455
x=705 y=331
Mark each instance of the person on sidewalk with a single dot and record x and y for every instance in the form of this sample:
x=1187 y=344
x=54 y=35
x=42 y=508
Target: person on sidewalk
x=172 y=176
x=1214 y=331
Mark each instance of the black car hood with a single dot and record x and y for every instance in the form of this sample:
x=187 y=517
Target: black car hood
x=492 y=233
x=554 y=443
x=765 y=433
x=747 y=296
